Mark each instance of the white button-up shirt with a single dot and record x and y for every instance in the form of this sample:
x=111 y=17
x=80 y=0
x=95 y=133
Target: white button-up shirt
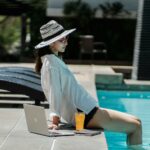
x=62 y=90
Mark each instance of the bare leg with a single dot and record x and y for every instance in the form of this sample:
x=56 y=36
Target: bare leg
x=118 y=122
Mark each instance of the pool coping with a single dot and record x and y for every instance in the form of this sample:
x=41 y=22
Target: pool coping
x=115 y=81
x=126 y=84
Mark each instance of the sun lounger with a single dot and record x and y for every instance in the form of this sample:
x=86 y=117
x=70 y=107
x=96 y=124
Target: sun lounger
x=24 y=76
x=20 y=70
x=20 y=80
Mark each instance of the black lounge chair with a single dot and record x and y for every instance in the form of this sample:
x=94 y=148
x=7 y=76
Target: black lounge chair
x=21 y=80
x=20 y=70
x=21 y=76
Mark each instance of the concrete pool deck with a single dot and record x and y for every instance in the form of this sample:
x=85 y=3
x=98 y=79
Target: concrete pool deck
x=15 y=136
x=13 y=130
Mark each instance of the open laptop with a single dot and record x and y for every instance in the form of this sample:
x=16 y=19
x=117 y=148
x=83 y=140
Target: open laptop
x=37 y=122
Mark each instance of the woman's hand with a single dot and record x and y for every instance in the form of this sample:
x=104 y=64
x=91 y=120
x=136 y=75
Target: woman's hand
x=54 y=124
x=53 y=127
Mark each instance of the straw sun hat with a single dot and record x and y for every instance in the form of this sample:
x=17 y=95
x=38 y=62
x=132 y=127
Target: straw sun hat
x=51 y=32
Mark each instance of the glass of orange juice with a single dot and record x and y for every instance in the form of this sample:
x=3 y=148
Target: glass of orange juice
x=79 y=120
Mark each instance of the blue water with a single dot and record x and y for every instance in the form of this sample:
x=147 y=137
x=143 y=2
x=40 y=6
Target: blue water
x=136 y=103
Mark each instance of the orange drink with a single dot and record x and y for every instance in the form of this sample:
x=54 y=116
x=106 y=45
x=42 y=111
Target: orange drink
x=79 y=120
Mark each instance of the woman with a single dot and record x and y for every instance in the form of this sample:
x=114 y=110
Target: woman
x=66 y=96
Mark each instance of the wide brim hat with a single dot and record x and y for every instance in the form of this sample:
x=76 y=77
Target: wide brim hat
x=52 y=32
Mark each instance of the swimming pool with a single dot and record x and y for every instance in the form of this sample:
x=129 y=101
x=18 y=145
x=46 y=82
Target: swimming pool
x=136 y=103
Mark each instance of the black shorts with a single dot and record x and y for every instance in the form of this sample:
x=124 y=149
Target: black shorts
x=89 y=116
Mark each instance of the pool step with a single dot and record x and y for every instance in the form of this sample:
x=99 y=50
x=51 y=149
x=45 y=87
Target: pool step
x=116 y=78
x=106 y=75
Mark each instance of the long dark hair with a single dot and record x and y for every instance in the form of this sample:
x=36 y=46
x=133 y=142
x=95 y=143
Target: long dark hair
x=39 y=53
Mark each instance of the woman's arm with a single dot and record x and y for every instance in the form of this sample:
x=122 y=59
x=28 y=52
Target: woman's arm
x=55 y=96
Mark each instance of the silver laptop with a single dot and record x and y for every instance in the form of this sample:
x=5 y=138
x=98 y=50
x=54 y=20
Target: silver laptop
x=37 y=122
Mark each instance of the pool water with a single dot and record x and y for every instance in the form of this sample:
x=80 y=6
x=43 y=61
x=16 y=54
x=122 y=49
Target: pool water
x=136 y=103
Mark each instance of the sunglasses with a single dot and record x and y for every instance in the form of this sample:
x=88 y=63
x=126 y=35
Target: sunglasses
x=64 y=39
